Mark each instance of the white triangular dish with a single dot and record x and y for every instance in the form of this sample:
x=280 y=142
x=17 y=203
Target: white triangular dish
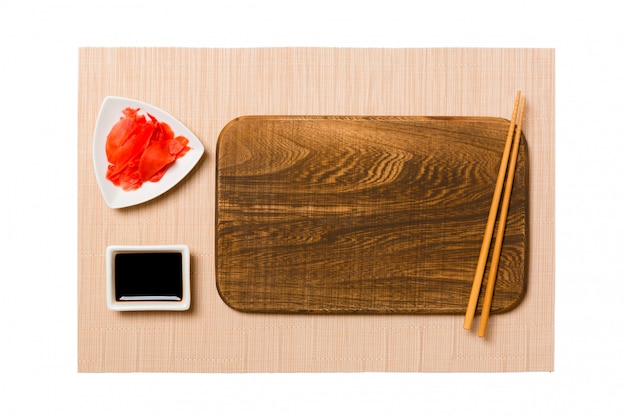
x=116 y=197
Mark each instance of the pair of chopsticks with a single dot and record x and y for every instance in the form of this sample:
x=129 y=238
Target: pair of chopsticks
x=509 y=158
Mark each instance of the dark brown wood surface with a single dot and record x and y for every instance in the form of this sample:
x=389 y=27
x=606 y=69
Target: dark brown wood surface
x=363 y=214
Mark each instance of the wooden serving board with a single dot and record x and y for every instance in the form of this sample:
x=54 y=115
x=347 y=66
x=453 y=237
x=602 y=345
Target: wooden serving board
x=363 y=214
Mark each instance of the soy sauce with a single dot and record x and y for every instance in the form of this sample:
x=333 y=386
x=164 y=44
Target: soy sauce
x=149 y=276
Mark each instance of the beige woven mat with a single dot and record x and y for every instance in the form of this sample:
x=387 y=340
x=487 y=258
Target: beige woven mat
x=206 y=88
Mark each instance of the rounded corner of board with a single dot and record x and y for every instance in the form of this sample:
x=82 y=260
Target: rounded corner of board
x=515 y=303
x=229 y=303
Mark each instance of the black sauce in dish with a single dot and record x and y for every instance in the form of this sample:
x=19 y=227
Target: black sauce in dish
x=149 y=276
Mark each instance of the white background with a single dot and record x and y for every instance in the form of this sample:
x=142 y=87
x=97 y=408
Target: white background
x=39 y=43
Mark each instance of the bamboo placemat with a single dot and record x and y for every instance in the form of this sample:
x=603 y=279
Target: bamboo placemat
x=205 y=89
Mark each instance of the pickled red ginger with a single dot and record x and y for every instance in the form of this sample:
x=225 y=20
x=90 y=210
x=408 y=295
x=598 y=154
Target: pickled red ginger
x=141 y=149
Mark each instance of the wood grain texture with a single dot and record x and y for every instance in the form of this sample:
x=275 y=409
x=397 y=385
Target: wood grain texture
x=363 y=214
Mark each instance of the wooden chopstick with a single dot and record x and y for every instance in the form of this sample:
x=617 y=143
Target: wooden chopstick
x=491 y=221
x=495 y=257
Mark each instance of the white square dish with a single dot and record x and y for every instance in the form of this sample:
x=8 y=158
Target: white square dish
x=142 y=278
